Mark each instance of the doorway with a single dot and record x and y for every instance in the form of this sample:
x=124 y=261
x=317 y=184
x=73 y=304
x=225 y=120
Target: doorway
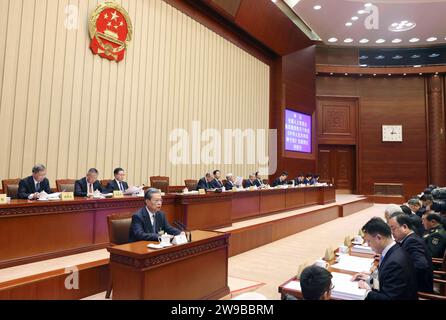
x=337 y=164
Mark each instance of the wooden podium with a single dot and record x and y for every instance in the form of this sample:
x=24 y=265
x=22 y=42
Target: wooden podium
x=195 y=270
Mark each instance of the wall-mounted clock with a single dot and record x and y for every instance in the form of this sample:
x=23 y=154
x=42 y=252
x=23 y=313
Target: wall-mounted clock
x=392 y=133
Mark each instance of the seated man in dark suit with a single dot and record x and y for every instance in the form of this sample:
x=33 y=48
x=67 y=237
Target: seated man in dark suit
x=216 y=183
x=316 y=178
x=88 y=185
x=416 y=220
x=117 y=184
x=280 y=180
x=205 y=182
x=230 y=183
x=250 y=181
x=402 y=232
x=300 y=179
x=416 y=207
x=30 y=187
x=258 y=181
x=395 y=270
x=315 y=283
x=308 y=179
x=148 y=222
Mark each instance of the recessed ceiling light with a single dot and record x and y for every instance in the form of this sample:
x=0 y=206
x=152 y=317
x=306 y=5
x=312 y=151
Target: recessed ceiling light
x=431 y=39
x=361 y=11
x=346 y=74
x=415 y=56
x=360 y=74
x=397 y=57
x=436 y=73
x=363 y=57
x=374 y=74
x=417 y=66
x=363 y=40
x=348 y=40
x=402 y=26
x=317 y=7
x=414 y=40
x=420 y=73
x=363 y=65
x=380 y=41
x=331 y=73
x=348 y=24
x=368 y=5
x=332 y=40
x=396 y=40
x=355 y=18
x=380 y=57
x=389 y=74
x=434 y=55
x=404 y=74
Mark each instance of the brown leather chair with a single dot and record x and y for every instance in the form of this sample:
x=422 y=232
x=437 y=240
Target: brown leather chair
x=65 y=184
x=190 y=184
x=11 y=187
x=265 y=181
x=161 y=183
x=105 y=182
x=118 y=233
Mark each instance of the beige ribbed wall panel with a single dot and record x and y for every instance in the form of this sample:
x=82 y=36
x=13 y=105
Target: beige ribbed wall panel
x=64 y=107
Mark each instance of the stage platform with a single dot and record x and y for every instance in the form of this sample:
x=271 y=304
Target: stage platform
x=47 y=279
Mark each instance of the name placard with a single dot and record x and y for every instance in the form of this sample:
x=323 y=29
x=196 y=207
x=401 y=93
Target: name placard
x=201 y=191
x=118 y=194
x=67 y=196
x=3 y=199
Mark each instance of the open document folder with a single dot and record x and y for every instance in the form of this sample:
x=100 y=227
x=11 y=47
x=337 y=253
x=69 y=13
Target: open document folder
x=344 y=288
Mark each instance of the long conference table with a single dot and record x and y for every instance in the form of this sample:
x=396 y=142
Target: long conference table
x=38 y=230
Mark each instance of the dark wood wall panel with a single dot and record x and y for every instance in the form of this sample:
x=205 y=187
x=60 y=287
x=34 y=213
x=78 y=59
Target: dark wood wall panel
x=387 y=101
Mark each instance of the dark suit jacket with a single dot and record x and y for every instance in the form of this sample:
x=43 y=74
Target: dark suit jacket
x=142 y=229
x=277 y=182
x=248 y=183
x=258 y=183
x=113 y=186
x=229 y=185
x=396 y=277
x=422 y=261
x=203 y=184
x=215 y=184
x=80 y=187
x=27 y=187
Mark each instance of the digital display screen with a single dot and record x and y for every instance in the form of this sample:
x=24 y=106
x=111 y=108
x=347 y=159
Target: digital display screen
x=297 y=131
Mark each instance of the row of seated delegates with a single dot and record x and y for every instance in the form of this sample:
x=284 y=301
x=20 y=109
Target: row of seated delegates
x=213 y=181
x=281 y=180
x=396 y=276
x=31 y=187
x=88 y=185
x=308 y=179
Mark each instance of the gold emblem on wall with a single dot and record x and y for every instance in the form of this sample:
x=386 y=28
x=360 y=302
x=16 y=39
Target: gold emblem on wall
x=110 y=31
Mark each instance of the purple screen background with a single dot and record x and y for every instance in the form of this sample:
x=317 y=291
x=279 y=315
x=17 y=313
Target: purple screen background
x=297 y=131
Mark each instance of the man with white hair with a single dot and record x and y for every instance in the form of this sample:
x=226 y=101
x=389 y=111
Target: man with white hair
x=391 y=209
x=229 y=185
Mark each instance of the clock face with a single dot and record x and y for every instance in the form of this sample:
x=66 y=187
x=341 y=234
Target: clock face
x=392 y=133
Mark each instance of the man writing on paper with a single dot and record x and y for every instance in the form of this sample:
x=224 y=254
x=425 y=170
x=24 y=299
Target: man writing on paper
x=88 y=185
x=117 y=184
x=148 y=221
x=32 y=186
x=205 y=182
x=396 y=272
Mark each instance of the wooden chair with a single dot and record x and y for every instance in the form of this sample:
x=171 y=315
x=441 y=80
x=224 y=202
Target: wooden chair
x=161 y=183
x=191 y=184
x=11 y=187
x=65 y=184
x=105 y=182
x=118 y=233
x=265 y=181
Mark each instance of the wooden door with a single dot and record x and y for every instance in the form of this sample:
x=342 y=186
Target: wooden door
x=337 y=165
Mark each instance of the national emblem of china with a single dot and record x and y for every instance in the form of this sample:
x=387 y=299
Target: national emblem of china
x=110 y=31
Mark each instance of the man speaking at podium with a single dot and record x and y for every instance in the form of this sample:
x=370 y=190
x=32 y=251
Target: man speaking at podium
x=148 y=221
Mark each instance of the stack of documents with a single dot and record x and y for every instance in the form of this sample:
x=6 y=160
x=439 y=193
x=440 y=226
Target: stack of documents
x=362 y=249
x=345 y=289
x=354 y=264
